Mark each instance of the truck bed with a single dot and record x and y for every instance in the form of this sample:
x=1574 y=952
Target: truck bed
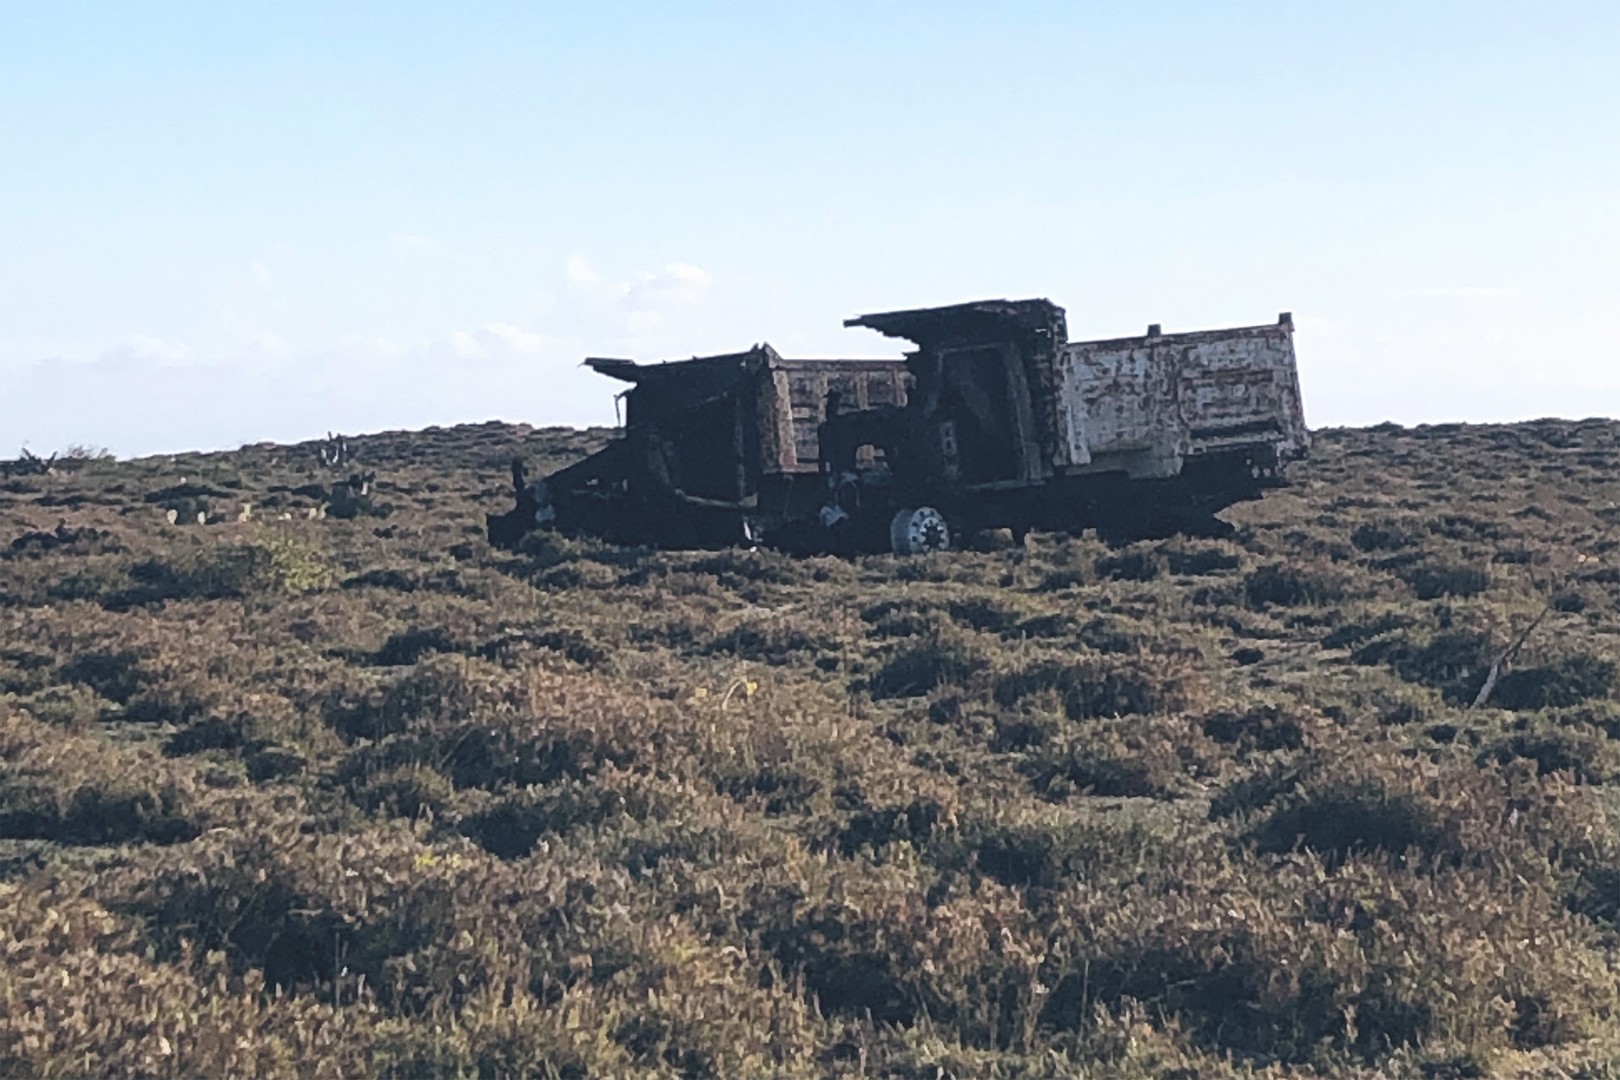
x=1146 y=405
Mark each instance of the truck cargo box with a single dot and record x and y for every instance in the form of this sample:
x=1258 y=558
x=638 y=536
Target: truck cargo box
x=1144 y=405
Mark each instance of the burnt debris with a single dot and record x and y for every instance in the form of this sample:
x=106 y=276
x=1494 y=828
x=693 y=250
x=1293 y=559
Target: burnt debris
x=994 y=421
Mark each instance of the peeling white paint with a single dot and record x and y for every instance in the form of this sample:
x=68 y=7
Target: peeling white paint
x=1146 y=404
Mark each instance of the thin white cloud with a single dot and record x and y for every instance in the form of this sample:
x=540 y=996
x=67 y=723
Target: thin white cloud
x=681 y=283
x=673 y=283
x=580 y=272
x=523 y=342
x=258 y=378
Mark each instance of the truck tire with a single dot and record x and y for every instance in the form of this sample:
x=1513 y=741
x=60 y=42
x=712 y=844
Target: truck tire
x=918 y=531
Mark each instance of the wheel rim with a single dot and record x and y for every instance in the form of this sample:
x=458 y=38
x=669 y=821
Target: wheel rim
x=919 y=531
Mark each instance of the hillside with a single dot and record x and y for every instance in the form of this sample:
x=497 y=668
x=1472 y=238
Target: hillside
x=362 y=796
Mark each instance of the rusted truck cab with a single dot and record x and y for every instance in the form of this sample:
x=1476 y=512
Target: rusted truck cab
x=995 y=420
x=715 y=450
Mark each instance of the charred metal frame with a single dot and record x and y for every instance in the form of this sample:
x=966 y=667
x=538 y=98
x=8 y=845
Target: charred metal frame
x=995 y=420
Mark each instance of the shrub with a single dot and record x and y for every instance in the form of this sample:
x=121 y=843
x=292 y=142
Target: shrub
x=212 y=733
x=1057 y=625
x=1198 y=560
x=736 y=568
x=1455 y=662
x=400 y=580
x=510 y=826
x=871 y=828
x=1468 y=527
x=85 y=999
x=864 y=951
x=115 y=674
x=1356 y=632
x=1263 y=727
x=265 y=763
x=581 y=574
x=1129 y=758
x=897 y=618
x=1388 y=534
x=777 y=787
x=1048 y=854
x=1102 y=686
x=25 y=669
x=990 y=614
x=1432 y=580
x=1112 y=634
x=288 y=564
x=1338 y=820
x=1372 y=959
x=95 y=580
x=1450 y=813
x=1139 y=562
x=71 y=790
x=1289 y=585
x=271 y=563
x=942 y=659
x=776 y=640
x=1061 y=579
x=73 y=706
x=1566 y=681
x=408 y=646
x=486 y=728
x=1584 y=752
x=226 y=573
x=437 y=691
x=409 y=791
x=1401 y=705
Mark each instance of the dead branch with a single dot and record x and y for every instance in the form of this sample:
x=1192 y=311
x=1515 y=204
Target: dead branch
x=1507 y=657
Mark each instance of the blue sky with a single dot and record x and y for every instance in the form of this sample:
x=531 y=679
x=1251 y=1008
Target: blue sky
x=221 y=223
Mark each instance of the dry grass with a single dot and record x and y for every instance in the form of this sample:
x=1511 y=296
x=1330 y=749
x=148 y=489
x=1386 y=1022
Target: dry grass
x=361 y=796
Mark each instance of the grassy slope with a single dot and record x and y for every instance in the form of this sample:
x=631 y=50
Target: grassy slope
x=365 y=796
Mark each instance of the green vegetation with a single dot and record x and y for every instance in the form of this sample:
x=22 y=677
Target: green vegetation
x=361 y=796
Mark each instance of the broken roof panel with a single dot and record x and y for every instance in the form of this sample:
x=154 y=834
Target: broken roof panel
x=626 y=370
x=926 y=325
x=696 y=367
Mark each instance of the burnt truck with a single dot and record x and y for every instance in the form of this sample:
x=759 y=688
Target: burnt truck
x=996 y=420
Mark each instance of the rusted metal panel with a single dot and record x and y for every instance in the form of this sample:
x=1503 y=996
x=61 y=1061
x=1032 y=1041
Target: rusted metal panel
x=857 y=384
x=778 y=447
x=1146 y=404
x=987 y=384
x=788 y=399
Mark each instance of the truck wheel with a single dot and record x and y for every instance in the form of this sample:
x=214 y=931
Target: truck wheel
x=918 y=532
